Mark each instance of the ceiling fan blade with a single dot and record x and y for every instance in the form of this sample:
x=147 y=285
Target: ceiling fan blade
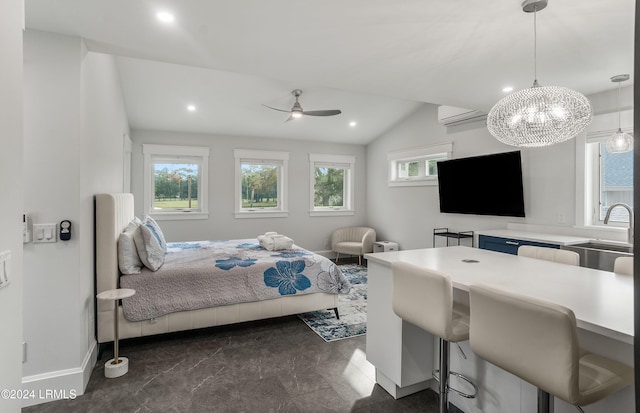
x=330 y=112
x=279 y=110
x=289 y=118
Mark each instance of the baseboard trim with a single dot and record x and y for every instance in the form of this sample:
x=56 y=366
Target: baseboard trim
x=60 y=384
x=327 y=254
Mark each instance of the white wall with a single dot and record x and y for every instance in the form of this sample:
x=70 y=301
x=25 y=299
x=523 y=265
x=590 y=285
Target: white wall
x=73 y=138
x=309 y=232
x=11 y=18
x=408 y=215
x=104 y=126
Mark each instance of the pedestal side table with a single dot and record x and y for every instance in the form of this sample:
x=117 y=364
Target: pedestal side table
x=117 y=366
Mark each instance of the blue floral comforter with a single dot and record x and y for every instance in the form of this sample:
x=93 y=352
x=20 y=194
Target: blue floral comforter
x=203 y=274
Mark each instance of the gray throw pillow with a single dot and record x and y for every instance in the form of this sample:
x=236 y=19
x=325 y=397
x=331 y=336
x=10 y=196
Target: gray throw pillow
x=128 y=259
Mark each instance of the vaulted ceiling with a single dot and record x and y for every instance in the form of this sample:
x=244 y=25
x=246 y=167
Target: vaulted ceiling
x=376 y=60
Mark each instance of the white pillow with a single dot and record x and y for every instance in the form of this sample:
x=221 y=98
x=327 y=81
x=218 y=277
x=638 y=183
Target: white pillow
x=128 y=259
x=150 y=244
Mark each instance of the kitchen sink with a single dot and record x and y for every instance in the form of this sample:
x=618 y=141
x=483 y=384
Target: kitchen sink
x=600 y=255
x=606 y=246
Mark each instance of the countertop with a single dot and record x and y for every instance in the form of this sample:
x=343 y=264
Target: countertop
x=602 y=301
x=535 y=236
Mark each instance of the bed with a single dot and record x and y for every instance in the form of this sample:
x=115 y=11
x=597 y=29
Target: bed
x=140 y=317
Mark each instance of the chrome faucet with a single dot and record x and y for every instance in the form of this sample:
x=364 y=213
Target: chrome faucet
x=628 y=208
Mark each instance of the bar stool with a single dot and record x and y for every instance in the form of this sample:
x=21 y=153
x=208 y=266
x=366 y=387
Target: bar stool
x=425 y=298
x=550 y=254
x=537 y=341
x=623 y=265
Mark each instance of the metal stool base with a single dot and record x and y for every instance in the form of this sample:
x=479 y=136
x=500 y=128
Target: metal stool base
x=436 y=376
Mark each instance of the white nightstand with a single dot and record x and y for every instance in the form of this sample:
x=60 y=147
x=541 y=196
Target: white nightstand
x=385 y=246
x=117 y=366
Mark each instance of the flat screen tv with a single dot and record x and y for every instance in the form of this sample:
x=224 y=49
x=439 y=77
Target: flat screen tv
x=482 y=185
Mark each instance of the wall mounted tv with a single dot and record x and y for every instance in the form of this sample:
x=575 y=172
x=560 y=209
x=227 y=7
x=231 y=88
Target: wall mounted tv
x=482 y=185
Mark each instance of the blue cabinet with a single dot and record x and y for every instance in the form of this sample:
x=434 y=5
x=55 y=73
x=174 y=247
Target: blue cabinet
x=508 y=245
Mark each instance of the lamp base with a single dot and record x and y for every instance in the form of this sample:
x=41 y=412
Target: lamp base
x=112 y=370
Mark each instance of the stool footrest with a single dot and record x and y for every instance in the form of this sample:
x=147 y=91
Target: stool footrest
x=436 y=376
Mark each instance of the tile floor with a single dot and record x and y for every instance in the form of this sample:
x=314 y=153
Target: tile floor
x=277 y=365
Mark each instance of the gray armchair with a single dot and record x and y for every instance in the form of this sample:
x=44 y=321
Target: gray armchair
x=353 y=241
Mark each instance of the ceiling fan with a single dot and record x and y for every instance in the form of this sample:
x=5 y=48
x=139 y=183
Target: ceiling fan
x=296 y=111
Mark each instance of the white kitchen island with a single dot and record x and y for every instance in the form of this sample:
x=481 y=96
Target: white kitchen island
x=404 y=355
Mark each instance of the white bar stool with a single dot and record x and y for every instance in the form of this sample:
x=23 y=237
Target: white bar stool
x=550 y=254
x=537 y=341
x=623 y=265
x=424 y=297
x=117 y=366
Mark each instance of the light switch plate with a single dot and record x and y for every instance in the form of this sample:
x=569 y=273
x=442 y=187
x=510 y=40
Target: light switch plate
x=5 y=268
x=45 y=233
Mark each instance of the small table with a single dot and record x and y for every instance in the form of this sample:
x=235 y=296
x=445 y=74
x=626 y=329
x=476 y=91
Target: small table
x=117 y=366
x=385 y=246
x=444 y=232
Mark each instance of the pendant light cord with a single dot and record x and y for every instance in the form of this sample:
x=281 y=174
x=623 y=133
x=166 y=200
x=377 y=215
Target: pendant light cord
x=619 y=112
x=535 y=48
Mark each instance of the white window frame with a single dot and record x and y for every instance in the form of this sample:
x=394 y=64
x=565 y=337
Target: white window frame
x=422 y=155
x=588 y=167
x=346 y=162
x=172 y=153
x=280 y=159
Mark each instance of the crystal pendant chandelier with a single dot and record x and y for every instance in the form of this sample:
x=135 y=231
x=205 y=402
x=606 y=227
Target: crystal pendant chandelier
x=540 y=115
x=620 y=141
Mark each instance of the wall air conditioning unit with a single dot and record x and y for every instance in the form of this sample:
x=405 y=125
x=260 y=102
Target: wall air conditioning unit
x=452 y=116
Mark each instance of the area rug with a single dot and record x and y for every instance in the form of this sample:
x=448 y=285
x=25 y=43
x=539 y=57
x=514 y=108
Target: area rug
x=352 y=308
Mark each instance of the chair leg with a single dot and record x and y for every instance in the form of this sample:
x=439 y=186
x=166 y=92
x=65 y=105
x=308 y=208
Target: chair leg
x=443 y=391
x=337 y=256
x=545 y=402
x=359 y=259
x=443 y=384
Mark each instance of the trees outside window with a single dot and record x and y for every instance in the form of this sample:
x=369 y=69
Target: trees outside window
x=175 y=186
x=259 y=186
x=329 y=187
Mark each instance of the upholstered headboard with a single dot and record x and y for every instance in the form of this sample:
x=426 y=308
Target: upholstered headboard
x=113 y=213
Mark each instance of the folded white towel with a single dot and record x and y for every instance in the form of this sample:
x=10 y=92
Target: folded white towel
x=275 y=242
x=270 y=234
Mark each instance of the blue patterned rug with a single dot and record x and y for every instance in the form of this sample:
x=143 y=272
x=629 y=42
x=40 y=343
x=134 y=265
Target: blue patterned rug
x=352 y=308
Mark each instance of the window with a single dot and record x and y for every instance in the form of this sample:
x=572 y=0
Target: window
x=331 y=183
x=175 y=181
x=417 y=166
x=261 y=184
x=611 y=182
x=603 y=178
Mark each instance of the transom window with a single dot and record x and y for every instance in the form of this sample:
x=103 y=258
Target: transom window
x=331 y=180
x=417 y=166
x=175 y=181
x=261 y=183
x=420 y=168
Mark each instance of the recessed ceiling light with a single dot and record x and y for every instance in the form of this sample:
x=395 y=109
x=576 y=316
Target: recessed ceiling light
x=352 y=124
x=507 y=89
x=191 y=108
x=165 y=17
